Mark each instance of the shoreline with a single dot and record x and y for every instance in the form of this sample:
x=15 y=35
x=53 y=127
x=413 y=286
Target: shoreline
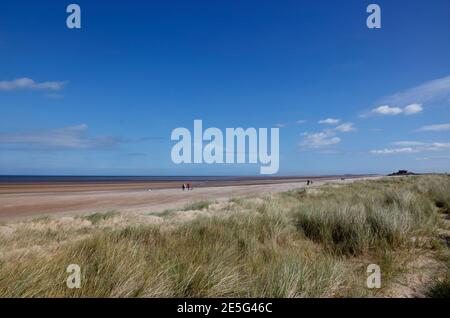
x=60 y=199
x=44 y=184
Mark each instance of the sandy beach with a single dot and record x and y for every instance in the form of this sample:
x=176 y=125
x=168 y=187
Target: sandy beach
x=31 y=199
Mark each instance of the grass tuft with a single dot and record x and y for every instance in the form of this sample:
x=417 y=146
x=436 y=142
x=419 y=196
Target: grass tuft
x=98 y=217
x=199 y=205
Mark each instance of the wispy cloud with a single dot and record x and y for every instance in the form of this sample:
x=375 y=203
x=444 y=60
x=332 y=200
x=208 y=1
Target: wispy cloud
x=436 y=127
x=289 y=123
x=319 y=140
x=345 y=127
x=410 y=101
x=407 y=143
x=73 y=137
x=26 y=83
x=327 y=137
x=389 y=151
x=433 y=158
x=329 y=121
x=414 y=147
x=431 y=91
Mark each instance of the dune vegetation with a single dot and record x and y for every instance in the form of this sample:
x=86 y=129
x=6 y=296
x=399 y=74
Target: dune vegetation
x=314 y=242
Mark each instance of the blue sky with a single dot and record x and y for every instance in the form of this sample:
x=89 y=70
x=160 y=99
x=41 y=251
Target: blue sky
x=104 y=99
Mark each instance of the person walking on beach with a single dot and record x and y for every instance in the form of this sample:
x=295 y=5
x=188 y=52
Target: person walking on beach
x=183 y=186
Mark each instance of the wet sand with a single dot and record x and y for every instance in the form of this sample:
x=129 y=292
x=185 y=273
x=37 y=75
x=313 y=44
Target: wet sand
x=21 y=200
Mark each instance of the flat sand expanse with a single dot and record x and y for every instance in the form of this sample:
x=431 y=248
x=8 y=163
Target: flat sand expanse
x=30 y=200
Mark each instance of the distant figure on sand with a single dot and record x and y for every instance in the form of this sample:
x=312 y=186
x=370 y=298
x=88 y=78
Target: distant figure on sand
x=183 y=186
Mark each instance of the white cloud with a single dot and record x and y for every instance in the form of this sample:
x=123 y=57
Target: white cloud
x=407 y=143
x=437 y=127
x=392 y=151
x=386 y=110
x=438 y=146
x=319 y=140
x=329 y=121
x=346 y=127
x=414 y=148
x=27 y=83
x=301 y=121
x=280 y=125
x=72 y=137
x=326 y=137
x=413 y=109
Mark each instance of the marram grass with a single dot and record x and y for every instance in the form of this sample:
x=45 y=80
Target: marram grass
x=301 y=243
